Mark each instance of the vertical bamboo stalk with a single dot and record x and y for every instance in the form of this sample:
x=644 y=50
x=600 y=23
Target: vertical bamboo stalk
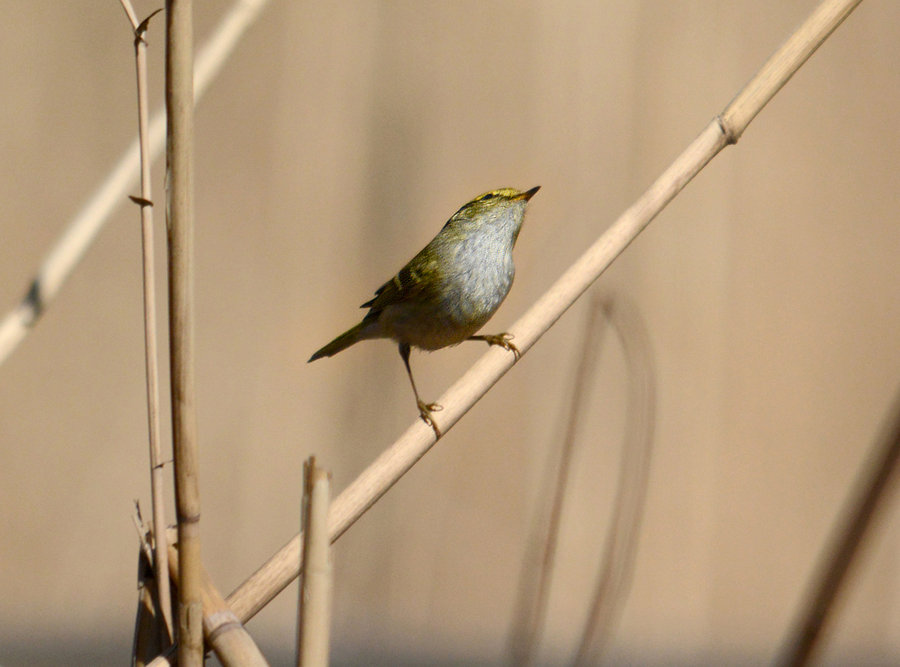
x=180 y=213
x=314 y=604
x=151 y=353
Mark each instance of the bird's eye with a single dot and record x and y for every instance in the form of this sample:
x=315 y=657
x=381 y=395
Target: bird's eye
x=489 y=195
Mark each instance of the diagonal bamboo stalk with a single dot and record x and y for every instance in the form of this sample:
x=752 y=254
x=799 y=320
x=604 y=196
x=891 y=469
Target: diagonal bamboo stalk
x=160 y=558
x=180 y=223
x=88 y=222
x=725 y=129
x=393 y=463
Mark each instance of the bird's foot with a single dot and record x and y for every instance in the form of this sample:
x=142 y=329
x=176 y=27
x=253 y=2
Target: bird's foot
x=425 y=410
x=501 y=339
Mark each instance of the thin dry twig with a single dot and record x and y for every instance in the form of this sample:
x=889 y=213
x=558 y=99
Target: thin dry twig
x=846 y=543
x=180 y=223
x=160 y=558
x=314 y=600
x=534 y=581
x=393 y=463
x=87 y=223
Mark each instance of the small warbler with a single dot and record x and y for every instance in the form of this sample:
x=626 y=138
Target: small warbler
x=447 y=292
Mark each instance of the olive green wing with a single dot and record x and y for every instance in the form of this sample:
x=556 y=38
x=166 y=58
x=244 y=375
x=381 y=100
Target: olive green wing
x=412 y=280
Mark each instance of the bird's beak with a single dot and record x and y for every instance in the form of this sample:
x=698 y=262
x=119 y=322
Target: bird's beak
x=528 y=194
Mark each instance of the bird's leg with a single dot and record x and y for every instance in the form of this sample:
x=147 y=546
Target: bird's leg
x=501 y=339
x=425 y=409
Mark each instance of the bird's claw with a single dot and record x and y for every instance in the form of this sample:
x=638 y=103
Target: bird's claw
x=425 y=410
x=503 y=340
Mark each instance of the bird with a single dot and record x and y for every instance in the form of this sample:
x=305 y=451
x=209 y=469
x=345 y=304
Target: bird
x=450 y=289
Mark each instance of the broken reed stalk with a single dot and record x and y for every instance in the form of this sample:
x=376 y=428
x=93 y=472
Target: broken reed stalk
x=314 y=599
x=160 y=558
x=283 y=567
x=537 y=571
x=383 y=473
x=84 y=227
x=180 y=210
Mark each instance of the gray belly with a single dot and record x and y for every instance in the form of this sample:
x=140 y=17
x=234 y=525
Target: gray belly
x=464 y=303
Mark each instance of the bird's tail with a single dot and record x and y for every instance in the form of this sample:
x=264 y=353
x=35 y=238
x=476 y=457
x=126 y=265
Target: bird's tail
x=342 y=342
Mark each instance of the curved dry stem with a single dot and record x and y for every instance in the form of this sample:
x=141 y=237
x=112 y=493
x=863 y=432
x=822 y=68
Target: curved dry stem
x=620 y=551
x=537 y=570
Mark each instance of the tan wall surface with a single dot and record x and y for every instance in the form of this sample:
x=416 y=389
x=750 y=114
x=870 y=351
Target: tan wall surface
x=337 y=141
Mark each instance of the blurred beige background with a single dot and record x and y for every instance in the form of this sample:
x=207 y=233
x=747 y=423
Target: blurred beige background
x=335 y=144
